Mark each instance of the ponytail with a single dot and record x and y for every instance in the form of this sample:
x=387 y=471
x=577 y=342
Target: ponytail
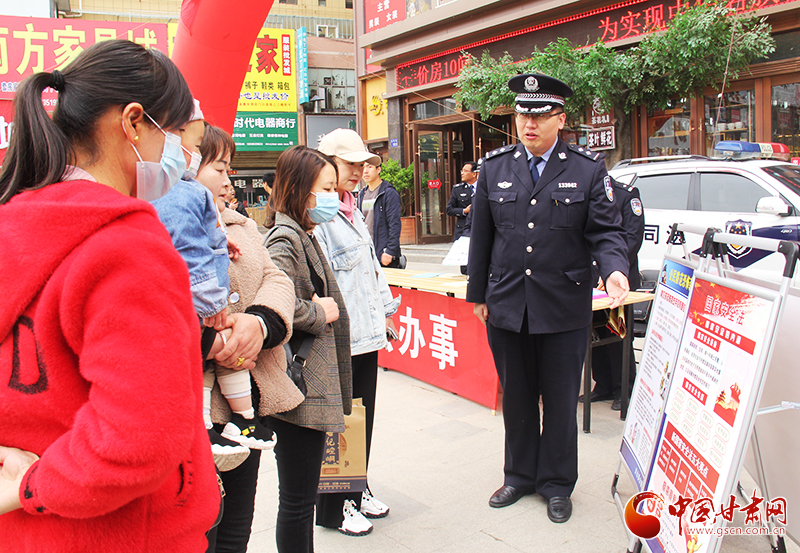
x=107 y=75
x=38 y=151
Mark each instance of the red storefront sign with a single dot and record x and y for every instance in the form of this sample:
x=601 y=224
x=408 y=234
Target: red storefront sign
x=30 y=45
x=380 y=13
x=442 y=343
x=621 y=21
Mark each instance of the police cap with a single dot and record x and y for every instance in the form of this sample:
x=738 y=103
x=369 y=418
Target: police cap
x=538 y=93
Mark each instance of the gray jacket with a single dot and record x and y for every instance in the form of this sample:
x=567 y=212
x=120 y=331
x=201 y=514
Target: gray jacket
x=328 y=372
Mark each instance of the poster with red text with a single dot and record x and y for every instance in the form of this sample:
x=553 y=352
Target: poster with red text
x=716 y=376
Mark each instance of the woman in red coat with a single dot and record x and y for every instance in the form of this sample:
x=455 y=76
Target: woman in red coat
x=102 y=443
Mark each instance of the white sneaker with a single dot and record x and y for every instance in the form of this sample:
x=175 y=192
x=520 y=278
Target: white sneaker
x=371 y=507
x=354 y=524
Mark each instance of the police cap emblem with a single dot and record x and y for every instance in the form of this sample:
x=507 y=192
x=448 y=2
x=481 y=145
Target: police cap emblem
x=531 y=84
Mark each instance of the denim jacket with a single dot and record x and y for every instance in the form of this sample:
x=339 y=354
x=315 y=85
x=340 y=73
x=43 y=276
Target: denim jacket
x=189 y=213
x=367 y=297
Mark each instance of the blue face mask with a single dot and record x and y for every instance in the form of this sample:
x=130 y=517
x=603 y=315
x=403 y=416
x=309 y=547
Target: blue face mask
x=326 y=209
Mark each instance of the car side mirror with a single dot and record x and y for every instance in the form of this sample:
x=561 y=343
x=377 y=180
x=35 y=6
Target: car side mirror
x=772 y=205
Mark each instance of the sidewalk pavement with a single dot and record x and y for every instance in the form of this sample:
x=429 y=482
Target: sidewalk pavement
x=436 y=460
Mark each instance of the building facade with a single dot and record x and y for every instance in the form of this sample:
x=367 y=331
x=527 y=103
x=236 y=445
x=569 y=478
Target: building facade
x=418 y=44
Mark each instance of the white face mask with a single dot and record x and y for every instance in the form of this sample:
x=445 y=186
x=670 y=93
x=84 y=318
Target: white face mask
x=154 y=180
x=194 y=166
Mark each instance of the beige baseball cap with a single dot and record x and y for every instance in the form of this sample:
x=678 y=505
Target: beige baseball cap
x=346 y=144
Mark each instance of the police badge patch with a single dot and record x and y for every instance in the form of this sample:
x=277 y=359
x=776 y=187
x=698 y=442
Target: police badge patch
x=636 y=206
x=609 y=188
x=745 y=228
x=531 y=84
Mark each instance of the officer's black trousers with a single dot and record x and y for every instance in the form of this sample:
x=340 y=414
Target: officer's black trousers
x=547 y=366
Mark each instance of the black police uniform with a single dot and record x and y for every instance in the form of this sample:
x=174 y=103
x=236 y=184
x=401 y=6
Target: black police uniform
x=530 y=261
x=460 y=199
x=607 y=360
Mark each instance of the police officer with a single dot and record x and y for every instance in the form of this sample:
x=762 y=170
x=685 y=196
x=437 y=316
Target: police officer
x=542 y=210
x=460 y=201
x=607 y=360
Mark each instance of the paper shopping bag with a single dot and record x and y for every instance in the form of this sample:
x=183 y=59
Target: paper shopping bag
x=344 y=463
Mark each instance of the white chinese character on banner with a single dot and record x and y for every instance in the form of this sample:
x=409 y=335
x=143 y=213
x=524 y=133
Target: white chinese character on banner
x=441 y=345
x=410 y=334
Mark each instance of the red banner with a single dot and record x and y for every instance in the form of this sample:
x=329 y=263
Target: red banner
x=30 y=45
x=442 y=343
x=380 y=13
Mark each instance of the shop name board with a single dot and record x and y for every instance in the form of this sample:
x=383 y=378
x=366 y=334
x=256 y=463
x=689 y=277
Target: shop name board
x=265 y=132
x=380 y=13
x=31 y=45
x=623 y=21
x=270 y=84
x=601 y=138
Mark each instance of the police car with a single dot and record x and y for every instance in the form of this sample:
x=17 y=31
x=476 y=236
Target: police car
x=742 y=193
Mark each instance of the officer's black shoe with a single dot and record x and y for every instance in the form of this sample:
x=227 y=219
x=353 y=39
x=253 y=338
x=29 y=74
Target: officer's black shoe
x=616 y=405
x=505 y=496
x=559 y=509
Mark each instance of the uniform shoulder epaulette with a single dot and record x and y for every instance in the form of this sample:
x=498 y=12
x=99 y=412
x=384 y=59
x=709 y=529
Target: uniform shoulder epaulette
x=500 y=151
x=586 y=152
x=626 y=187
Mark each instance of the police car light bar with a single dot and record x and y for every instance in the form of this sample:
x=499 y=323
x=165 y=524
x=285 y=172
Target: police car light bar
x=739 y=149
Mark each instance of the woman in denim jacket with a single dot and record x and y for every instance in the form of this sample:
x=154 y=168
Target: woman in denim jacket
x=348 y=247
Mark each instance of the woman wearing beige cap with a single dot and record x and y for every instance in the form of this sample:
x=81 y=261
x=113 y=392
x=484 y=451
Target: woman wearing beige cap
x=348 y=246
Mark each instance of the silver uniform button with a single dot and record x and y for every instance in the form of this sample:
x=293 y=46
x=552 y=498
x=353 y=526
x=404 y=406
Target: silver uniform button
x=501 y=199
x=530 y=225
x=528 y=272
x=533 y=201
x=529 y=249
x=566 y=201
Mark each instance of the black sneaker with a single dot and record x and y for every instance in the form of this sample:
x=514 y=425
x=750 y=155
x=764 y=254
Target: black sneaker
x=227 y=454
x=249 y=432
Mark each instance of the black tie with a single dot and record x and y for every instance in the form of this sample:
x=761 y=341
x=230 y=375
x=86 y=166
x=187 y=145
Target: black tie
x=534 y=171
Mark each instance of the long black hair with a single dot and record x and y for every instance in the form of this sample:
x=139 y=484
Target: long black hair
x=108 y=74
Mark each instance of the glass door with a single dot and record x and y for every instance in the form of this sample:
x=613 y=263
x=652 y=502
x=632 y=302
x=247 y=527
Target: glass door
x=430 y=179
x=731 y=117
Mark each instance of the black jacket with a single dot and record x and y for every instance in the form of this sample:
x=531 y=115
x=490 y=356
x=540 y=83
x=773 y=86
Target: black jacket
x=532 y=245
x=385 y=220
x=460 y=199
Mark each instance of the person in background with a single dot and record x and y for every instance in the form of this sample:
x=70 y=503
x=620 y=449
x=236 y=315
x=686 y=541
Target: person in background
x=267 y=181
x=607 y=360
x=543 y=210
x=102 y=442
x=378 y=200
x=460 y=202
x=262 y=297
x=347 y=246
x=229 y=195
x=304 y=195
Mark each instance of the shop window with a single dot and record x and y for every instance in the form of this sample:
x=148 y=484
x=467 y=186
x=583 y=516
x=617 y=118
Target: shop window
x=729 y=192
x=327 y=31
x=668 y=129
x=433 y=108
x=731 y=117
x=336 y=87
x=786 y=116
x=664 y=191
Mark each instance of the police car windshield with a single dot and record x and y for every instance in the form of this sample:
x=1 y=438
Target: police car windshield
x=786 y=174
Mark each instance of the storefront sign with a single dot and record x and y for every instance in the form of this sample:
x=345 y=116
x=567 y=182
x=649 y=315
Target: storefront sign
x=271 y=81
x=302 y=65
x=622 y=21
x=601 y=138
x=31 y=45
x=265 y=132
x=380 y=13
x=435 y=184
x=376 y=120
x=318 y=126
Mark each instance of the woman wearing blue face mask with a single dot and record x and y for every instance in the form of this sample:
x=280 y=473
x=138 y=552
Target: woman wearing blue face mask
x=302 y=197
x=101 y=445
